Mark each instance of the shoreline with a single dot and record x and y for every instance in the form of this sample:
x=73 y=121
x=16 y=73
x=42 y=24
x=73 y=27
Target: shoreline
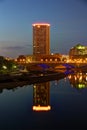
x=22 y=80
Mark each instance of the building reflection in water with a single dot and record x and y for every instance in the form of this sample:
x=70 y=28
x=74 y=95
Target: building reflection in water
x=78 y=80
x=41 y=97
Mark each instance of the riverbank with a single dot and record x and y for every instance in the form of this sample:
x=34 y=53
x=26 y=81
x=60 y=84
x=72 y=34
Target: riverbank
x=11 y=81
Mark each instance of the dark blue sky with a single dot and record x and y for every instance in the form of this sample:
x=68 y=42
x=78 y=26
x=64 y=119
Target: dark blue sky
x=68 y=19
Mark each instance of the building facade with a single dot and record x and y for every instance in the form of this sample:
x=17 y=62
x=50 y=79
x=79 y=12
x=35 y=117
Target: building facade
x=41 y=38
x=78 y=51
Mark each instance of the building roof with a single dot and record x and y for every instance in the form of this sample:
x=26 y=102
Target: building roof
x=38 y=24
x=79 y=47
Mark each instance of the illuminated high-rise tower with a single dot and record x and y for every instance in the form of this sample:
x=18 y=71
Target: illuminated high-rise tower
x=41 y=38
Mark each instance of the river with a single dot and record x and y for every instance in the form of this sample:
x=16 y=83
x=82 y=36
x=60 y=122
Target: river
x=58 y=104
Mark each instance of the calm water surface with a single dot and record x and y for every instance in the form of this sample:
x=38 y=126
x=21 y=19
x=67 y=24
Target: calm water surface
x=67 y=99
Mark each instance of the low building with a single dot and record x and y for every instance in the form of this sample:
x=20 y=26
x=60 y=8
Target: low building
x=77 y=52
x=49 y=58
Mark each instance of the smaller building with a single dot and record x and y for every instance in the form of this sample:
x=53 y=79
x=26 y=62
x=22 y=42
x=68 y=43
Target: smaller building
x=21 y=59
x=49 y=58
x=77 y=52
x=26 y=59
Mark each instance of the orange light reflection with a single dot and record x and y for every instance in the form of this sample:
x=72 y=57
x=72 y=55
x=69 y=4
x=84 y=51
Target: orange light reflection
x=41 y=108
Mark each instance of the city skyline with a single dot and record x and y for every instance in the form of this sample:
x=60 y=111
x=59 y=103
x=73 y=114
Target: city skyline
x=67 y=18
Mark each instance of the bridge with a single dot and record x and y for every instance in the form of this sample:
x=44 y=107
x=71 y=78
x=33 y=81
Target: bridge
x=58 y=65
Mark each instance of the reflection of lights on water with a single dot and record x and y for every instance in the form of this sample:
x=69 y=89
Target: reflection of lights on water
x=80 y=78
x=75 y=77
x=81 y=86
x=72 y=85
x=34 y=86
x=56 y=82
x=65 y=79
x=86 y=78
x=69 y=76
x=41 y=108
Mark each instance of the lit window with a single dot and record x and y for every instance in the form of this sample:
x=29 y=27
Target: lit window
x=38 y=26
x=23 y=59
x=55 y=59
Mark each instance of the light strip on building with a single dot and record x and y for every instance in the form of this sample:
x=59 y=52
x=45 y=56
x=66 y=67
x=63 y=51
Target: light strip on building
x=38 y=24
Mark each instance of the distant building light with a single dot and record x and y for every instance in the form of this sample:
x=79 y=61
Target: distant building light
x=15 y=59
x=23 y=59
x=46 y=59
x=81 y=86
x=55 y=59
x=41 y=59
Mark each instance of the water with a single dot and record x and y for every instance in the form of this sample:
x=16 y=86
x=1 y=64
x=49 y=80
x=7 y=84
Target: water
x=66 y=99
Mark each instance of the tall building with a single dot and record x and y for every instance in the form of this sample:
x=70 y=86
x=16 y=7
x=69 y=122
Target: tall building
x=41 y=38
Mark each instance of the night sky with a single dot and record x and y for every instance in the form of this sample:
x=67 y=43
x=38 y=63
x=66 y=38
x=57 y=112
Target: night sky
x=68 y=19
